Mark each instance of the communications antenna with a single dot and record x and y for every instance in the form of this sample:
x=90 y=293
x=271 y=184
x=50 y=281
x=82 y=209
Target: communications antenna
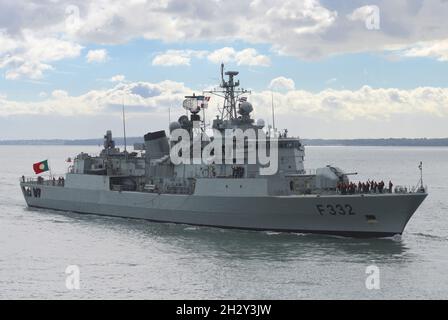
x=230 y=91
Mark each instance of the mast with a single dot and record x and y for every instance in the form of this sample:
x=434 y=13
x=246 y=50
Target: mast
x=230 y=92
x=124 y=129
x=273 y=113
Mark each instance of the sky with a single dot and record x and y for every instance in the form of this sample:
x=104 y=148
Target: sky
x=336 y=69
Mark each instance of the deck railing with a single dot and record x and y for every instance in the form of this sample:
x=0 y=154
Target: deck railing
x=51 y=181
x=400 y=189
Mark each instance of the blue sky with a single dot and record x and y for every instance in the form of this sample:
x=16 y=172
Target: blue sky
x=348 y=71
x=358 y=64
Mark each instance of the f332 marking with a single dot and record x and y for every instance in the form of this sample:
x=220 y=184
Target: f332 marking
x=334 y=210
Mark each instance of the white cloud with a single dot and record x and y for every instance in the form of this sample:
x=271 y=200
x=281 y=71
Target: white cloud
x=362 y=13
x=59 y=94
x=29 y=55
x=19 y=67
x=433 y=49
x=250 y=57
x=177 y=57
x=365 y=112
x=307 y=29
x=99 y=56
x=363 y=104
x=247 y=57
x=169 y=60
x=282 y=83
x=308 y=16
x=138 y=96
x=225 y=55
x=117 y=78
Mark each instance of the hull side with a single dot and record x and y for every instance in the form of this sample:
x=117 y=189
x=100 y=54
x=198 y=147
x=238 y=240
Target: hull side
x=349 y=215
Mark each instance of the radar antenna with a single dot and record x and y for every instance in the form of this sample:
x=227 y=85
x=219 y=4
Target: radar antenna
x=222 y=72
x=230 y=92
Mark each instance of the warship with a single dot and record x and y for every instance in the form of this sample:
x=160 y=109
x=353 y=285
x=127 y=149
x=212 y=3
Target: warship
x=193 y=177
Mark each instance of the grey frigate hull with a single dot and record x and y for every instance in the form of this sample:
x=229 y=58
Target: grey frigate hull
x=370 y=215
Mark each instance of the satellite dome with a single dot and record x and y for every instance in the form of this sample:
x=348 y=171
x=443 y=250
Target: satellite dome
x=245 y=108
x=174 y=125
x=261 y=123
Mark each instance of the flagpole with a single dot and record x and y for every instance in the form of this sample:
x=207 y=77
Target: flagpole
x=421 y=175
x=49 y=168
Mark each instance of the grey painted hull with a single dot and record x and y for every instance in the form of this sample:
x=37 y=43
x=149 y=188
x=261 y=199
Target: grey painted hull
x=375 y=215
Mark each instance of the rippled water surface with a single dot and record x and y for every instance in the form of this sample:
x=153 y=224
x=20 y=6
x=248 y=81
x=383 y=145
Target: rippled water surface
x=121 y=258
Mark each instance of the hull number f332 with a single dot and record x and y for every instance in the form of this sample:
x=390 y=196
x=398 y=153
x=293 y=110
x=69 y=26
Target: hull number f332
x=335 y=210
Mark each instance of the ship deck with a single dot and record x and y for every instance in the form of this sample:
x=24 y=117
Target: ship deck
x=402 y=190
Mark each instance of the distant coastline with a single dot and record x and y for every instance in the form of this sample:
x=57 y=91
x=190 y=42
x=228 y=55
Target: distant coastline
x=397 y=142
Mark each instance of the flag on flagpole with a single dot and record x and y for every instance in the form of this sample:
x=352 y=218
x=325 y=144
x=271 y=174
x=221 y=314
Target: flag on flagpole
x=41 y=167
x=420 y=166
x=204 y=105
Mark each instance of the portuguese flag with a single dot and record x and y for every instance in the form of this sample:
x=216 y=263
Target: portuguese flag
x=41 y=167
